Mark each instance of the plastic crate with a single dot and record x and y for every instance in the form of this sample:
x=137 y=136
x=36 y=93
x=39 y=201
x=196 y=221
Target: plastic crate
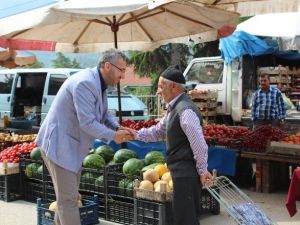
x=10 y=187
x=50 y=197
x=35 y=176
x=208 y=204
x=32 y=190
x=152 y=213
x=101 y=203
x=120 y=210
x=113 y=176
x=142 y=148
x=21 y=124
x=88 y=213
x=89 y=181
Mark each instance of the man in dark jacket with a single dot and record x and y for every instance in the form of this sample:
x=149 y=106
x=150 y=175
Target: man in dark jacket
x=186 y=147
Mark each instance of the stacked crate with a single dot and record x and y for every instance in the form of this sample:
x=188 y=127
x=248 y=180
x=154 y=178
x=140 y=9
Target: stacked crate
x=10 y=187
x=207 y=103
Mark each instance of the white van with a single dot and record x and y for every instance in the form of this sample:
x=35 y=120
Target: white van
x=30 y=90
x=33 y=90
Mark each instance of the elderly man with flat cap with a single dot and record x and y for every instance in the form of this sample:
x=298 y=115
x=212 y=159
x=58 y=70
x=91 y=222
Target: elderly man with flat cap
x=186 y=147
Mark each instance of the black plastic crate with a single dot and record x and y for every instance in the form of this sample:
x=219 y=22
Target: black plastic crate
x=118 y=184
x=32 y=190
x=34 y=174
x=152 y=213
x=92 y=181
x=208 y=204
x=120 y=210
x=10 y=187
x=88 y=213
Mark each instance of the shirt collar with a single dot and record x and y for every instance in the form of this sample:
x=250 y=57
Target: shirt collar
x=173 y=101
x=102 y=82
x=267 y=90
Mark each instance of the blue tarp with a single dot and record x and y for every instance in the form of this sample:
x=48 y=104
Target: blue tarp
x=241 y=43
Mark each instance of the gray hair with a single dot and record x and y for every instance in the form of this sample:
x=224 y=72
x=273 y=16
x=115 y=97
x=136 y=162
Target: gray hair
x=169 y=82
x=112 y=55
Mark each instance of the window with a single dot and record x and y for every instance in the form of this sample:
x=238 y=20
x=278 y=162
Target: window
x=205 y=73
x=55 y=82
x=6 y=82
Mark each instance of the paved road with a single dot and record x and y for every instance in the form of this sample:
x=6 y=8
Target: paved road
x=24 y=213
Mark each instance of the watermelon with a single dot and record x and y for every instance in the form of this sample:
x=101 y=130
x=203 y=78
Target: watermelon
x=40 y=170
x=35 y=154
x=106 y=152
x=133 y=166
x=151 y=166
x=122 y=155
x=88 y=178
x=154 y=157
x=129 y=189
x=99 y=181
x=94 y=161
x=123 y=186
x=31 y=170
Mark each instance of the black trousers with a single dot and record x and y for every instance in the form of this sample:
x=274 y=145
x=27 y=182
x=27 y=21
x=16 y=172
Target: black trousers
x=186 y=200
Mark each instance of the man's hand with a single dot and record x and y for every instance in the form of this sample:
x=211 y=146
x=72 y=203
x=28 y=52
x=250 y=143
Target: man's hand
x=206 y=179
x=123 y=135
x=132 y=131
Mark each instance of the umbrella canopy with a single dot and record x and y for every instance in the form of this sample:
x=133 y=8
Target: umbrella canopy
x=78 y=26
x=285 y=26
x=12 y=58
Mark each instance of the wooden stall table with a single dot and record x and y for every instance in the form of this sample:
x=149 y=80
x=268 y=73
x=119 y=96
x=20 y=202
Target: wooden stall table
x=263 y=165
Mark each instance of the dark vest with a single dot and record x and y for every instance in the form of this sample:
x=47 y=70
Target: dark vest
x=180 y=158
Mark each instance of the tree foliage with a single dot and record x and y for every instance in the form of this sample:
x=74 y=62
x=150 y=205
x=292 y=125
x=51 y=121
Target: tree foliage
x=151 y=64
x=62 y=61
x=38 y=64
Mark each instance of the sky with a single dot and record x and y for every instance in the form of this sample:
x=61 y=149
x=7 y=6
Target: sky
x=12 y=7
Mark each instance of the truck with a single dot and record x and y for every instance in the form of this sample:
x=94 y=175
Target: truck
x=211 y=73
x=235 y=82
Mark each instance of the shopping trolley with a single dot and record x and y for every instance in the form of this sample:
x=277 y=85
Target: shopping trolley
x=237 y=204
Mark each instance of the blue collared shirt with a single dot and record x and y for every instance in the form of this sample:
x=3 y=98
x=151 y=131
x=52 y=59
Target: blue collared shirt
x=268 y=105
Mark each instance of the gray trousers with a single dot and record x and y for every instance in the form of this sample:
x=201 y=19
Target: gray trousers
x=66 y=184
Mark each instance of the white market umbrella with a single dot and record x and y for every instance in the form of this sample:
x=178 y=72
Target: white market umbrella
x=94 y=26
x=285 y=26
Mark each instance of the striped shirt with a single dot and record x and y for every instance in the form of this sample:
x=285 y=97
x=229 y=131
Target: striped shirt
x=190 y=125
x=268 y=105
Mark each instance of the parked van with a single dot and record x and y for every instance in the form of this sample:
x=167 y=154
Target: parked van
x=33 y=90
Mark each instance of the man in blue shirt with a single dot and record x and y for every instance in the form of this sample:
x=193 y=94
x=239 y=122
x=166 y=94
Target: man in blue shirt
x=267 y=105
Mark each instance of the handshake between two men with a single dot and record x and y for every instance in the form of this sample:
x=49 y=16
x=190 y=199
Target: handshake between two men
x=125 y=134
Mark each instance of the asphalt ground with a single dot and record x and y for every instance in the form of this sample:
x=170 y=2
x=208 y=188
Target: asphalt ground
x=273 y=204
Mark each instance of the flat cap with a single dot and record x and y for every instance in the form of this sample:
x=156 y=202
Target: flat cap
x=173 y=74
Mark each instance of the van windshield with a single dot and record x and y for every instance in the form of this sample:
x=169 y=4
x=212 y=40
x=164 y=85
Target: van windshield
x=205 y=73
x=6 y=82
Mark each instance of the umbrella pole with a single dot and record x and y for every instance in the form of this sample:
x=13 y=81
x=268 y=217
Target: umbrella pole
x=115 y=28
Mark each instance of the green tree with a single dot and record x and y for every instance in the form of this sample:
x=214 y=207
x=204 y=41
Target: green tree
x=38 y=64
x=151 y=64
x=206 y=49
x=62 y=61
